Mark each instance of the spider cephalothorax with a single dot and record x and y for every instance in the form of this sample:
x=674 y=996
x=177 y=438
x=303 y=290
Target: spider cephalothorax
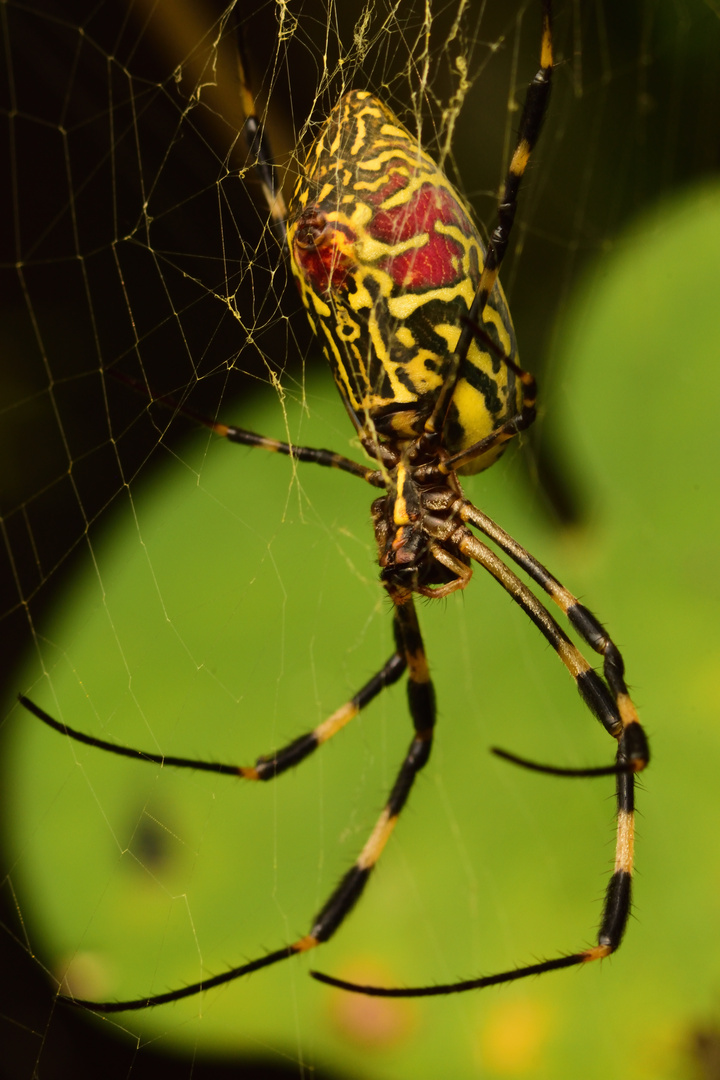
x=416 y=527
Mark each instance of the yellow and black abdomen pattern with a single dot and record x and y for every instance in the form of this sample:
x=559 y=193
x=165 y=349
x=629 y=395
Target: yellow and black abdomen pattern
x=388 y=263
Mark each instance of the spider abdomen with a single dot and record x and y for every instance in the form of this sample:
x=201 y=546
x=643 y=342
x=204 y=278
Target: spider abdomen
x=388 y=262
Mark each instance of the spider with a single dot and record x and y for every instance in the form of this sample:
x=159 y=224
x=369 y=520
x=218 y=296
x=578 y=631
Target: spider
x=406 y=302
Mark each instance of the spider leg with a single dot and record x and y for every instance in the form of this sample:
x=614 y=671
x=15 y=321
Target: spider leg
x=411 y=654
x=556 y=770
x=592 y=689
x=317 y=456
x=535 y=106
x=587 y=626
x=268 y=766
x=616 y=908
x=312 y=454
x=257 y=142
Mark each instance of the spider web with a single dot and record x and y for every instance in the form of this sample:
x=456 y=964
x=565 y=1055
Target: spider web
x=165 y=590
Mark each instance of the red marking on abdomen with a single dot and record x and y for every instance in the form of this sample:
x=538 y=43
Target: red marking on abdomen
x=321 y=250
x=438 y=262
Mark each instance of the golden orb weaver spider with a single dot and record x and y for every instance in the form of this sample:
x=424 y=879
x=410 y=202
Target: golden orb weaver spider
x=406 y=302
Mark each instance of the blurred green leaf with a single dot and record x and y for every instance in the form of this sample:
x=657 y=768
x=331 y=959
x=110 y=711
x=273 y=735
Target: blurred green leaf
x=234 y=604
